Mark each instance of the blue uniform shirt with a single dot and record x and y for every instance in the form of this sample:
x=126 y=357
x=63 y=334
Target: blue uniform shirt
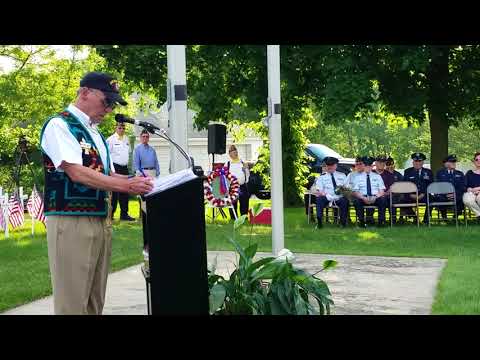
x=455 y=177
x=422 y=178
x=360 y=183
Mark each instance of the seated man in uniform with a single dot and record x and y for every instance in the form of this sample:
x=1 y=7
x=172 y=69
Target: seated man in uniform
x=422 y=177
x=390 y=166
x=358 y=169
x=456 y=178
x=387 y=177
x=324 y=189
x=369 y=189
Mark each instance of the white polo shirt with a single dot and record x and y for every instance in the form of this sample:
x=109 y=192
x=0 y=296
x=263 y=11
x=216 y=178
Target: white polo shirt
x=119 y=149
x=60 y=144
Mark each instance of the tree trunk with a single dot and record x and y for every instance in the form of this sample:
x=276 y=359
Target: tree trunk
x=438 y=104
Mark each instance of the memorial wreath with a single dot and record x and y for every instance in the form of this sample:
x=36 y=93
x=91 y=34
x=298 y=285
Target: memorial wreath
x=221 y=187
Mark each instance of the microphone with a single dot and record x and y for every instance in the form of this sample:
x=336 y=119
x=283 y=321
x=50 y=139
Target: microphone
x=161 y=132
x=125 y=119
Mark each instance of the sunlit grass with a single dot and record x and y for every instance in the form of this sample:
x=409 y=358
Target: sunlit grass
x=24 y=273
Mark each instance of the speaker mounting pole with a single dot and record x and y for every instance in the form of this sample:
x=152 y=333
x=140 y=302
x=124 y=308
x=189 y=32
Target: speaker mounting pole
x=275 y=133
x=177 y=110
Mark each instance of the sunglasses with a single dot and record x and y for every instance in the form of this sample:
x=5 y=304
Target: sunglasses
x=477 y=159
x=107 y=103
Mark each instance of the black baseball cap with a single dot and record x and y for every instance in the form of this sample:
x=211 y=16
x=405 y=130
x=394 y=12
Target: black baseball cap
x=105 y=83
x=368 y=160
x=330 y=160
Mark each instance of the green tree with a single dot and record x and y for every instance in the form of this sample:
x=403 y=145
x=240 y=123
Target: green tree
x=438 y=84
x=39 y=86
x=228 y=83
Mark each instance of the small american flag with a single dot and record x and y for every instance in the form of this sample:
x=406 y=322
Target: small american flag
x=35 y=206
x=15 y=211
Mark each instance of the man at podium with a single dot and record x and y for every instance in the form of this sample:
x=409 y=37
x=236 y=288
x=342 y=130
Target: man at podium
x=79 y=179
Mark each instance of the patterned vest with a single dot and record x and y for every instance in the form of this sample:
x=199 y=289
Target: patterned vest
x=62 y=195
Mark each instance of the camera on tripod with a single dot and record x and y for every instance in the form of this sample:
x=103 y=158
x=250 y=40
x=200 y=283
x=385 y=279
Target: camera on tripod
x=23 y=144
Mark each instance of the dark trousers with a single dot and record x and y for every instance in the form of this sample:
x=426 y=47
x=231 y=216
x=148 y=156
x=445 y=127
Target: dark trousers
x=380 y=202
x=243 y=199
x=443 y=209
x=411 y=212
x=122 y=198
x=342 y=203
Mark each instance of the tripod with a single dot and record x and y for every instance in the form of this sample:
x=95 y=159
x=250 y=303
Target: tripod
x=21 y=158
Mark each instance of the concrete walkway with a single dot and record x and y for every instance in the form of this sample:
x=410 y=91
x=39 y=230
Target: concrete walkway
x=359 y=285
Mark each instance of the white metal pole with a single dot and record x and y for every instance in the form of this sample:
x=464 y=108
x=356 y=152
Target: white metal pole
x=275 y=133
x=177 y=104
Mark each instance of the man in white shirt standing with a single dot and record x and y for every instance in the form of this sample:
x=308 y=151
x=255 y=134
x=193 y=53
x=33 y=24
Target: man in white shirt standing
x=79 y=177
x=119 y=147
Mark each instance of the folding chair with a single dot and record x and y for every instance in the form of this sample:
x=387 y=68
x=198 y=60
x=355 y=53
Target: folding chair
x=311 y=206
x=442 y=188
x=403 y=187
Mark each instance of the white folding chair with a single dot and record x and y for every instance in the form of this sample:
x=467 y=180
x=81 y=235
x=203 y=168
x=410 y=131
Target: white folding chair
x=403 y=187
x=442 y=188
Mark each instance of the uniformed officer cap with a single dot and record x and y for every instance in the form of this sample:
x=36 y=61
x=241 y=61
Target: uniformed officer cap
x=390 y=161
x=450 y=158
x=381 y=158
x=330 y=160
x=418 y=156
x=368 y=160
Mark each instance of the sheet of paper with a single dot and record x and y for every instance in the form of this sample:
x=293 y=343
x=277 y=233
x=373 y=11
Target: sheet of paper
x=166 y=182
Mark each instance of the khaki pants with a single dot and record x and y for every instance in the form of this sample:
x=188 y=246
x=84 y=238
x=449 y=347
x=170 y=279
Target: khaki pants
x=79 y=250
x=472 y=201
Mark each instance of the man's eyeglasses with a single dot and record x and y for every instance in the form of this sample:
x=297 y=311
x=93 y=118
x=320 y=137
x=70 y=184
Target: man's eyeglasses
x=107 y=103
x=477 y=159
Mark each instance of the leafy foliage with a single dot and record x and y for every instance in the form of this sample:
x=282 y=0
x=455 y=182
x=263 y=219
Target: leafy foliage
x=268 y=286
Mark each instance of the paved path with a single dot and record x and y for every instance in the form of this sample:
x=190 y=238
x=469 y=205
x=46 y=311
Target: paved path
x=359 y=285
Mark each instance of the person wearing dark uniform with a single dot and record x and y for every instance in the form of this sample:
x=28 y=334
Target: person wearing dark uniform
x=422 y=177
x=325 y=188
x=369 y=189
x=387 y=177
x=390 y=166
x=457 y=179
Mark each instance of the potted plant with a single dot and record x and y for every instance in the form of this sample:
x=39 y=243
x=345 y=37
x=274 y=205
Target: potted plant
x=267 y=286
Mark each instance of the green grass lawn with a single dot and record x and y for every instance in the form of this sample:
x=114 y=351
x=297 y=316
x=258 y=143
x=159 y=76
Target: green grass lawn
x=24 y=274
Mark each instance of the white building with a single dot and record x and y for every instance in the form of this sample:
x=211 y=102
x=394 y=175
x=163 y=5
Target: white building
x=197 y=142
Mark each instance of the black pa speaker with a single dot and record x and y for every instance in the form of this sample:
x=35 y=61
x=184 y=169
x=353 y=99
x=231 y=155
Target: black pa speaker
x=217 y=139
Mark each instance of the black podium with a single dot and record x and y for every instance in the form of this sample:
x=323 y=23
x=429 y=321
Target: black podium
x=174 y=229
